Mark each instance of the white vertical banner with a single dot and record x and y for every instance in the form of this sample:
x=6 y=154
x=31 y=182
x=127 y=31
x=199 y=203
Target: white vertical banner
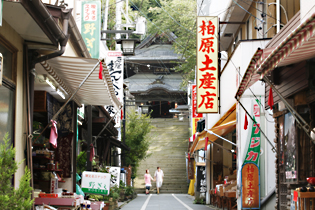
x=115 y=66
x=207 y=65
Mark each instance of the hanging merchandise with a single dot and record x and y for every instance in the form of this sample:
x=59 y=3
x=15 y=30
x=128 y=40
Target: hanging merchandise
x=53 y=134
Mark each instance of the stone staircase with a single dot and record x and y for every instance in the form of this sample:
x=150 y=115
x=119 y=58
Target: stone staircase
x=169 y=142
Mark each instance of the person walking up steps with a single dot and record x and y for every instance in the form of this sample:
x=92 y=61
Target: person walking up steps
x=158 y=177
x=147 y=181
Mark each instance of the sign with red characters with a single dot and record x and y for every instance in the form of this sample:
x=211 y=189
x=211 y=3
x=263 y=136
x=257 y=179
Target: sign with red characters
x=194 y=103
x=207 y=65
x=250 y=186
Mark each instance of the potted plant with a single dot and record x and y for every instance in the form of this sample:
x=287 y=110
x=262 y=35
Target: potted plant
x=113 y=198
x=129 y=192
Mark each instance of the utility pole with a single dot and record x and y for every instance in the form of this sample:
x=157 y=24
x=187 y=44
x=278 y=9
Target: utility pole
x=119 y=4
x=105 y=20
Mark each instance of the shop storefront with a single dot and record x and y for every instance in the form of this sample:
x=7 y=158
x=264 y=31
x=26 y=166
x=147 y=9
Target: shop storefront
x=215 y=160
x=288 y=73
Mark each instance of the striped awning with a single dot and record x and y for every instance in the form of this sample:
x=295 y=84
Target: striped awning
x=296 y=47
x=225 y=125
x=72 y=71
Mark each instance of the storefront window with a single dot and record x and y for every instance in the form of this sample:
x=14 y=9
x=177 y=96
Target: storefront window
x=290 y=148
x=6 y=112
x=7 y=62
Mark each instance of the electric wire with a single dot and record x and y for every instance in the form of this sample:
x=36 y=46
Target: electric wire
x=261 y=11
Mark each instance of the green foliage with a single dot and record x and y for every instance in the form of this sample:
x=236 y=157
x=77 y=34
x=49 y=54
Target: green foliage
x=81 y=162
x=114 y=193
x=178 y=17
x=137 y=129
x=199 y=201
x=129 y=190
x=11 y=198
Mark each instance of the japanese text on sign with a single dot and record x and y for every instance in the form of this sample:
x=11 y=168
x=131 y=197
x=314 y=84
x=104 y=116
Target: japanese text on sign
x=254 y=143
x=207 y=65
x=250 y=186
x=201 y=181
x=90 y=29
x=115 y=65
x=96 y=182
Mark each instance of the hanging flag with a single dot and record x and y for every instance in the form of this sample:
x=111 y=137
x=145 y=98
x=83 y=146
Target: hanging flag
x=188 y=156
x=53 y=134
x=100 y=73
x=92 y=153
x=121 y=114
x=270 y=98
x=246 y=122
x=206 y=143
x=253 y=151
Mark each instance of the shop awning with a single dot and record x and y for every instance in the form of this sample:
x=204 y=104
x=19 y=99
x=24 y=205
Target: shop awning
x=72 y=71
x=225 y=125
x=297 y=46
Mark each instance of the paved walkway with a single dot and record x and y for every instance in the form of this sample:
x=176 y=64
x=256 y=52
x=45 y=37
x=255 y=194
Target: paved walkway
x=164 y=202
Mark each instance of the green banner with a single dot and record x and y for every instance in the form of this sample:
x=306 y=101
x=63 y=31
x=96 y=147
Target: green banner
x=253 y=152
x=91 y=26
x=95 y=191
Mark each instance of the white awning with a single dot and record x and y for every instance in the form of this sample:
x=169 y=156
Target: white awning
x=72 y=71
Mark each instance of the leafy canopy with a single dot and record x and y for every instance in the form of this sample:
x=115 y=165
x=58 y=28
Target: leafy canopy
x=11 y=198
x=165 y=16
x=137 y=129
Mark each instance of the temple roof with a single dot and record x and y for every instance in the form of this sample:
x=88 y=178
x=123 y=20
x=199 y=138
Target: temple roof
x=141 y=83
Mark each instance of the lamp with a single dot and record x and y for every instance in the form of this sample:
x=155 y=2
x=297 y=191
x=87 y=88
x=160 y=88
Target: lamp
x=50 y=83
x=60 y=93
x=128 y=45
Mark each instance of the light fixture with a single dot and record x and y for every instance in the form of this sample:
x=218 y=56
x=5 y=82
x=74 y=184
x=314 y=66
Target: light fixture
x=128 y=45
x=50 y=83
x=60 y=93
x=232 y=150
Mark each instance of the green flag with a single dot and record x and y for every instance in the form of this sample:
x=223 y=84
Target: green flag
x=253 y=152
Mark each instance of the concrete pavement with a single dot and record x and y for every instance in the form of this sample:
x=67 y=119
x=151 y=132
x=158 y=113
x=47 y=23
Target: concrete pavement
x=164 y=202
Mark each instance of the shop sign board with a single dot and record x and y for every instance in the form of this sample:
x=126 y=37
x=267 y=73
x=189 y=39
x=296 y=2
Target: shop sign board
x=115 y=175
x=91 y=26
x=207 y=64
x=194 y=103
x=194 y=124
x=201 y=181
x=95 y=183
x=115 y=65
x=250 y=186
x=253 y=151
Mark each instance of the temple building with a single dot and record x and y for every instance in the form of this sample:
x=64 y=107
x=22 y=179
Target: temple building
x=152 y=78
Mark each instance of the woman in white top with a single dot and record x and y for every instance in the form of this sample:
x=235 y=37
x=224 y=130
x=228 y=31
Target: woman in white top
x=158 y=177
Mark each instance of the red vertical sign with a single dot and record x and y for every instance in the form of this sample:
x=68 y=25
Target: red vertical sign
x=194 y=103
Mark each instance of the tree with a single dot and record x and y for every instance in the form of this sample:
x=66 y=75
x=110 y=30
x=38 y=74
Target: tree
x=178 y=17
x=137 y=129
x=11 y=198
